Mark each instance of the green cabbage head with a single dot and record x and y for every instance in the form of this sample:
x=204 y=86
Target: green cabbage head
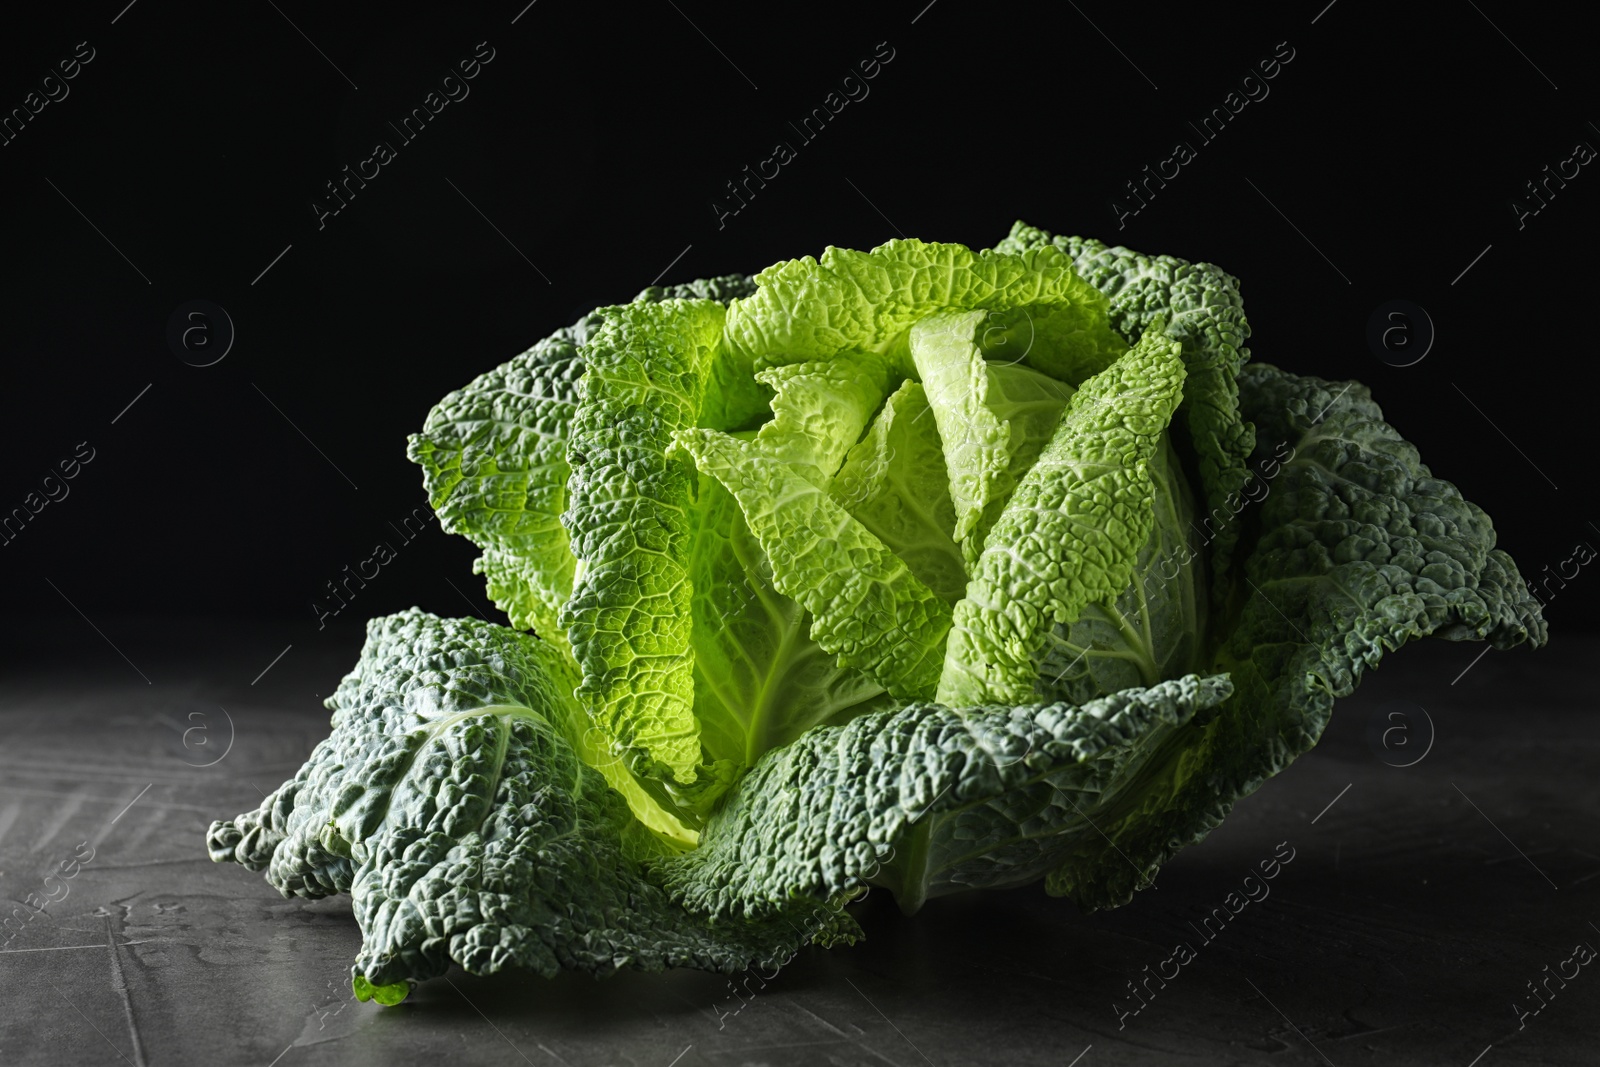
x=920 y=568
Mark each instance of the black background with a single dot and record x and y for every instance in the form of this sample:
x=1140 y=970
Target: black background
x=596 y=141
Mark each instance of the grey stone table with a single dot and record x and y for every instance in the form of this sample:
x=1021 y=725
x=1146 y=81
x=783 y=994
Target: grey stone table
x=1419 y=904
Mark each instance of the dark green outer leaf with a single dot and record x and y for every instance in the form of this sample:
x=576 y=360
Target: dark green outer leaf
x=722 y=288
x=451 y=804
x=1357 y=550
x=924 y=799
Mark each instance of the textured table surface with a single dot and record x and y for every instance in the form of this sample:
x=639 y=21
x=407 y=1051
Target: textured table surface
x=1419 y=903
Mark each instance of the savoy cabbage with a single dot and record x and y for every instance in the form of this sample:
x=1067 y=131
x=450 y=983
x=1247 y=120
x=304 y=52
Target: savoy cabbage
x=921 y=568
